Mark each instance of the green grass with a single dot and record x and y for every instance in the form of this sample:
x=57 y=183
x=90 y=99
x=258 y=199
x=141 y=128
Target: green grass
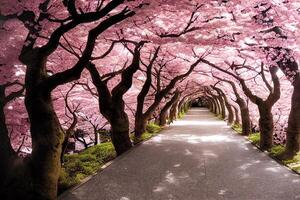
x=277 y=150
x=220 y=117
x=254 y=138
x=181 y=114
x=237 y=128
x=151 y=130
x=295 y=159
x=79 y=166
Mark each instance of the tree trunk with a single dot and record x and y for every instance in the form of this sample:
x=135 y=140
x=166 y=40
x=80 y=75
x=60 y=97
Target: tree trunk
x=164 y=111
x=237 y=119
x=222 y=106
x=120 y=131
x=293 y=130
x=96 y=136
x=36 y=177
x=246 y=122
x=266 y=126
x=7 y=154
x=163 y=117
x=140 y=126
x=174 y=111
x=218 y=107
x=47 y=137
x=230 y=114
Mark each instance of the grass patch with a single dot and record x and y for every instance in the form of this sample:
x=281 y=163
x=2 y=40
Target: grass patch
x=254 y=138
x=277 y=150
x=181 y=114
x=81 y=165
x=220 y=117
x=295 y=160
x=237 y=128
x=151 y=130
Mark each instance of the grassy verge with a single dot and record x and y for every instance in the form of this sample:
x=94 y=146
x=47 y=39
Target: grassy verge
x=254 y=138
x=152 y=129
x=237 y=128
x=79 y=166
x=274 y=152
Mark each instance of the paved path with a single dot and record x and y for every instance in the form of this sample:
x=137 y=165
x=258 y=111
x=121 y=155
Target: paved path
x=196 y=158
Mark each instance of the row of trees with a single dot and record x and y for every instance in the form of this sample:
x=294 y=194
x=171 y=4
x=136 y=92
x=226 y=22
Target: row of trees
x=99 y=52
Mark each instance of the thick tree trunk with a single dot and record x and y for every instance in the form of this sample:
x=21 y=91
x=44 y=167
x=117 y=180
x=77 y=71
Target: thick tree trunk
x=174 y=111
x=163 y=116
x=266 y=126
x=140 y=127
x=120 y=131
x=222 y=106
x=7 y=154
x=218 y=107
x=214 y=105
x=47 y=137
x=230 y=114
x=37 y=176
x=293 y=130
x=246 y=122
x=237 y=119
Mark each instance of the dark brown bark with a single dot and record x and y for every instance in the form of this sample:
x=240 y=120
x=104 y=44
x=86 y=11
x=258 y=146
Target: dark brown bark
x=7 y=154
x=164 y=111
x=222 y=106
x=266 y=126
x=237 y=119
x=227 y=104
x=293 y=130
x=174 y=110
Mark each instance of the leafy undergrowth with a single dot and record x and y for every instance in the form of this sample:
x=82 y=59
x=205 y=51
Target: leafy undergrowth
x=254 y=138
x=78 y=166
x=237 y=128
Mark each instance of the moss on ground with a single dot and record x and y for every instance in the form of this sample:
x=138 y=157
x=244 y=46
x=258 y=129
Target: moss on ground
x=78 y=166
x=254 y=138
x=181 y=114
x=151 y=130
x=277 y=150
x=237 y=128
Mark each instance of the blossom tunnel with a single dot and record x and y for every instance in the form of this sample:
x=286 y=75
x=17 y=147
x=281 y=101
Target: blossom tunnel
x=78 y=74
